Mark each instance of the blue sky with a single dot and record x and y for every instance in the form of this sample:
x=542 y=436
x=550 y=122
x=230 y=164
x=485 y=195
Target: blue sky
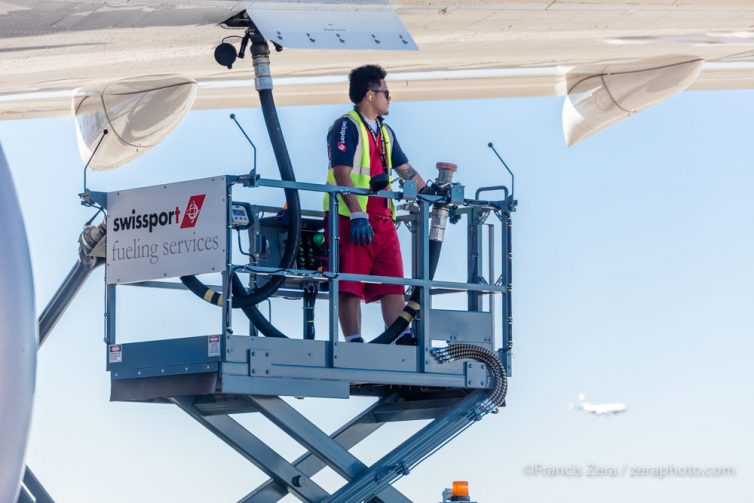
x=632 y=282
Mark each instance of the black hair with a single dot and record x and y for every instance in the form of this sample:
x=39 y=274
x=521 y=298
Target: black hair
x=362 y=79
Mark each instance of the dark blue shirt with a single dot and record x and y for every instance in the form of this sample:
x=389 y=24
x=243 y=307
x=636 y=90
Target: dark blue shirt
x=343 y=139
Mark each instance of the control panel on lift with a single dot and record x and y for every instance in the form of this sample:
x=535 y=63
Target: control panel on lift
x=240 y=215
x=268 y=235
x=312 y=252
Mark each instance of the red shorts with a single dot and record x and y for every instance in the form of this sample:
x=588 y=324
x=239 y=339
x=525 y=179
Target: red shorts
x=381 y=258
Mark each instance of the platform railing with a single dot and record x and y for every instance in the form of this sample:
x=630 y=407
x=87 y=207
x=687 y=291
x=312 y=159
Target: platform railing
x=475 y=211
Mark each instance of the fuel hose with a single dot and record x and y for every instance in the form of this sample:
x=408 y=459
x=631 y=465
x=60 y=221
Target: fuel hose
x=263 y=81
x=243 y=299
x=252 y=312
x=413 y=304
x=438 y=222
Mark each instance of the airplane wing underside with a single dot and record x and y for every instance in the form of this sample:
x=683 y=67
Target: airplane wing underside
x=467 y=49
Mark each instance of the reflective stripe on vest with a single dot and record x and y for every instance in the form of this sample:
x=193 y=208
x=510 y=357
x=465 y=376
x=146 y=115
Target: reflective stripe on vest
x=361 y=171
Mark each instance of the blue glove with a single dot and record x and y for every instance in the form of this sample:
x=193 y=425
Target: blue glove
x=361 y=231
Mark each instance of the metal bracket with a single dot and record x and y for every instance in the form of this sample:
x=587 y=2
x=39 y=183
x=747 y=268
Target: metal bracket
x=476 y=375
x=259 y=363
x=457 y=193
x=409 y=190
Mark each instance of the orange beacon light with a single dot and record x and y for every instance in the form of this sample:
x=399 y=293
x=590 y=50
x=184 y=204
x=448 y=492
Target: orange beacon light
x=459 y=492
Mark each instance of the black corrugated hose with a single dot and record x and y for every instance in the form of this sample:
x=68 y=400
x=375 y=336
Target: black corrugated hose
x=471 y=351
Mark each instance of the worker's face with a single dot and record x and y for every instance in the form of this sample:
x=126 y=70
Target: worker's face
x=380 y=98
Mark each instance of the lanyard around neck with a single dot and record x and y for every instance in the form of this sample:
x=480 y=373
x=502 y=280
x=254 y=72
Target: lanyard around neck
x=379 y=139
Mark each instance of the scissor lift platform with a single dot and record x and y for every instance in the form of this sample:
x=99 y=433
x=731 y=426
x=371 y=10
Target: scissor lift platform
x=213 y=376
x=254 y=372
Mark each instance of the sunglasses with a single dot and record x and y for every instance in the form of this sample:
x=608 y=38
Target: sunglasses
x=385 y=91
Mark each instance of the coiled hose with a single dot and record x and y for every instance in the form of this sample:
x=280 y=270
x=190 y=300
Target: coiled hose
x=213 y=297
x=471 y=351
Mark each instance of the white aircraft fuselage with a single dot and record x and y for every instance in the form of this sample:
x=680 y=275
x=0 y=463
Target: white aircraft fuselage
x=18 y=341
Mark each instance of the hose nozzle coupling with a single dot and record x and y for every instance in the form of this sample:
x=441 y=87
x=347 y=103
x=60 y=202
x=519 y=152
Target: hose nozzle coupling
x=90 y=253
x=445 y=172
x=91 y=236
x=439 y=216
x=260 y=58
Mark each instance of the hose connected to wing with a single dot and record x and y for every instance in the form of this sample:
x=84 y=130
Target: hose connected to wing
x=263 y=82
x=247 y=300
x=455 y=352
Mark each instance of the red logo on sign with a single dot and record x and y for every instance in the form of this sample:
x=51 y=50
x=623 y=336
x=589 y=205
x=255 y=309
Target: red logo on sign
x=342 y=147
x=193 y=208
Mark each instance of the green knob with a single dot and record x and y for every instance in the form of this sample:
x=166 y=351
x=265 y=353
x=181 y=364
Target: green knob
x=319 y=239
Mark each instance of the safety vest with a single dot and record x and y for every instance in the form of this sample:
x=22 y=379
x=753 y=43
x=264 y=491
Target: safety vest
x=361 y=171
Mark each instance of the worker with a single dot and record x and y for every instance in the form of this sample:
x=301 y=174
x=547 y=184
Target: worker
x=362 y=148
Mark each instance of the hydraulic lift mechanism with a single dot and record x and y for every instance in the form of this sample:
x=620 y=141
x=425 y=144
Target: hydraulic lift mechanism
x=454 y=375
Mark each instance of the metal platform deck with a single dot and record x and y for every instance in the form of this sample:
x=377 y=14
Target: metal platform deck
x=149 y=371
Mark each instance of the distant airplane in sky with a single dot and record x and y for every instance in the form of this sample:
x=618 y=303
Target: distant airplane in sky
x=600 y=409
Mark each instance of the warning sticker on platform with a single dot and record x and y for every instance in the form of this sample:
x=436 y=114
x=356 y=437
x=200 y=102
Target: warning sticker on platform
x=166 y=231
x=115 y=353
x=213 y=345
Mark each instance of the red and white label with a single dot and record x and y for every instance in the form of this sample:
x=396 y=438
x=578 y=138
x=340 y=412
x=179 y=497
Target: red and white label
x=115 y=353
x=213 y=345
x=193 y=209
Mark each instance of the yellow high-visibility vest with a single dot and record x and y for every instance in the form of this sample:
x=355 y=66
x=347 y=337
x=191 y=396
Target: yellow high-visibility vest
x=361 y=171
